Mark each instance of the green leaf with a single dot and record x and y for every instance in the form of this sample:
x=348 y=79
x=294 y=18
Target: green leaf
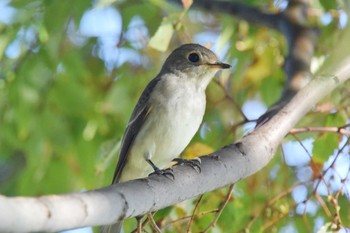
x=335 y=120
x=328 y=5
x=324 y=146
x=163 y=213
x=270 y=90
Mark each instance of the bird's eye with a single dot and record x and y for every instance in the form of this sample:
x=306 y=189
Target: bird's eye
x=193 y=57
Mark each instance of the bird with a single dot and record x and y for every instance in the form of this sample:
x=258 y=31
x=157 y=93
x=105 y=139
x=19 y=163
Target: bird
x=167 y=115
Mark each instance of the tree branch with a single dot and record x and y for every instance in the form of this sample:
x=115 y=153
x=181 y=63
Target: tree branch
x=137 y=197
x=339 y=130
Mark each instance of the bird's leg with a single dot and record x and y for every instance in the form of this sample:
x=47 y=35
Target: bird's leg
x=193 y=163
x=166 y=172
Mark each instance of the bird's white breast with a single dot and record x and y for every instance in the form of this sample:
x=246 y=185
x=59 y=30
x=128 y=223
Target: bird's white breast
x=177 y=109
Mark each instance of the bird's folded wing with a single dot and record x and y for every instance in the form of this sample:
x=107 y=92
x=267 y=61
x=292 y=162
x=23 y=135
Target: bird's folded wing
x=138 y=117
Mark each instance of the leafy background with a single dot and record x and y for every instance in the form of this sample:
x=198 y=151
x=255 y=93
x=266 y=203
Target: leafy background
x=71 y=73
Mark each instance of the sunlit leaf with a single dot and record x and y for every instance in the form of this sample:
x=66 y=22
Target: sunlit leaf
x=161 y=39
x=197 y=149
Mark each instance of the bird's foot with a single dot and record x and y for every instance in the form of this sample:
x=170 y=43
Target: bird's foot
x=193 y=163
x=168 y=173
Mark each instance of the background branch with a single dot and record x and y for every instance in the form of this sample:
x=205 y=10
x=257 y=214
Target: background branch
x=340 y=130
x=301 y=40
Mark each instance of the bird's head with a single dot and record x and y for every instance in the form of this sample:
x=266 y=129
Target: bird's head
x=194 y=61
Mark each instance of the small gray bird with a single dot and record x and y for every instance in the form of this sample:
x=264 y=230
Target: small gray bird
x=167 y=115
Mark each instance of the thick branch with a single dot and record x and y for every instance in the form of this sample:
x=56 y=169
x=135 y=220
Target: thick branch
x=226 y=166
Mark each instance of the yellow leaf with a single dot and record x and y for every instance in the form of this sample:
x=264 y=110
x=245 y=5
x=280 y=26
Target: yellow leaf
x=197 y=149
x=261 y=66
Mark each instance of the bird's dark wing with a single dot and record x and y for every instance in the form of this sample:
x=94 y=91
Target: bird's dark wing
x=136 y=121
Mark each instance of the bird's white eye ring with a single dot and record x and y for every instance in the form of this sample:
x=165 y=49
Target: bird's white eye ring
x=193 y=57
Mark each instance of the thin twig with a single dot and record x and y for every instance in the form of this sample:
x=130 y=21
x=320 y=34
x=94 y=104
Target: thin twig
x=221 y=209
x=272 y=202
x=194 y=211
x=323 y=205
x=340 y=130
x=275 y=220
x=332 y=164
x=190 y=216
x=153 y=223
x=336 y=219
x=142 y=225
x=306 y=223
x=139 y=225
x=232 y=100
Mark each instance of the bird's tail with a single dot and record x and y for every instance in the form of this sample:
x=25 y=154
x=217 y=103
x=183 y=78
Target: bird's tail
x=114 y=228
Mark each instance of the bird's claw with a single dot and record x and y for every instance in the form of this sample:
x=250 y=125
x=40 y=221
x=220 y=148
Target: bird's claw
x=168 y=173
x=193 y=163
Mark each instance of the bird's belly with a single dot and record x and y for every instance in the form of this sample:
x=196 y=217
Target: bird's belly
x=164 y=135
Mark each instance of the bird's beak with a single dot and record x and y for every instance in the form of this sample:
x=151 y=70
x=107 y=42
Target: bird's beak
x=219 y=65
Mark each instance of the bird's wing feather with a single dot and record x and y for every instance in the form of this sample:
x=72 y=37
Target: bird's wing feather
x=138 y=117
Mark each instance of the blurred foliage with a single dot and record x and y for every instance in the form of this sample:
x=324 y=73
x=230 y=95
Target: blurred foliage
x=63 y=109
